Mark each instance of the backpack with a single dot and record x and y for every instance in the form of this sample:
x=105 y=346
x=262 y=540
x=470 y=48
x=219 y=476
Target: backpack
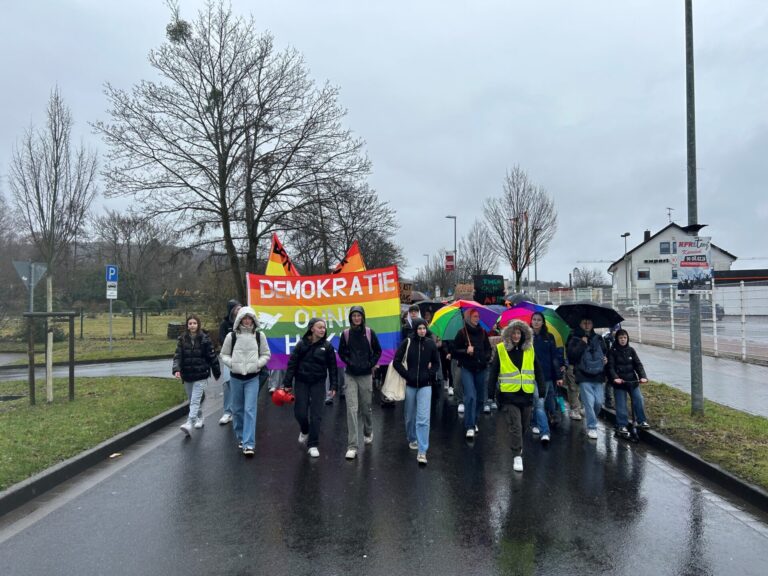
x=591 y=362
x=234 y=339
x=367 y=335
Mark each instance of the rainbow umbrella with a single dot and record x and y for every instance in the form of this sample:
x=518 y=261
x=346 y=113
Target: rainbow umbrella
x=447 y=321
x=524 y=310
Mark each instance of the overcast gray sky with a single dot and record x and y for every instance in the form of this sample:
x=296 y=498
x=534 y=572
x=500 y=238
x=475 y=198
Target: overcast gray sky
x=588 y=97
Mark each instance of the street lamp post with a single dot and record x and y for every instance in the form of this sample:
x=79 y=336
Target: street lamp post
x=626 y=267
x=535 y=263
x=455 y=259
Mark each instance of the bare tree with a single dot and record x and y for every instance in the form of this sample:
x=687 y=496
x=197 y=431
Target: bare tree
x=321 y=233
x=434 y=275
x=522 y=222
x=53 y=186
x=136 y=244
x=588 y=277
x=232 y=140
x=476 y=253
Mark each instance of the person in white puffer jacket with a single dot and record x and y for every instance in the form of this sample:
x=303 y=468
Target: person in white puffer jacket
x=245 y=352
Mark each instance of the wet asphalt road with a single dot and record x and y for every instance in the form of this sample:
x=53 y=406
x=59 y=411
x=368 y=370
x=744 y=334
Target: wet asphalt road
x=172 y=506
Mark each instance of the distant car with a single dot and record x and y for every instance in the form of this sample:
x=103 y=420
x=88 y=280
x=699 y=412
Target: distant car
x=661 y=311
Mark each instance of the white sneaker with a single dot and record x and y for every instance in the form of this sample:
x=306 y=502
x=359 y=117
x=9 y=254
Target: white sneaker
x=494 y=406
x=487 y=409
x=368 y=439
x=187 y=428
x=575 y=415
x=413 y=445
x=592 y=434
x=461 y=408
x=471 y=433
x=314 y=452
x=535 y=430
x=350 y=455
x=545 y=439
x=450 y=390
x=226 y=418
x=303 y=438
x=517 y=466
x=421 y=458
x=199 y=423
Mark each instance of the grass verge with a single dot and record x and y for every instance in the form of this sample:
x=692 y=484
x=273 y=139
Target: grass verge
x=734 y=440
x=94 y=346
x=36 y=437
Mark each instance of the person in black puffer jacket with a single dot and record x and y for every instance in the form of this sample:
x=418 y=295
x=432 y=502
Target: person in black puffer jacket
x=423 y=361
x=472 y=350
x=626 y=373
x=312 y=360
x=193 y=362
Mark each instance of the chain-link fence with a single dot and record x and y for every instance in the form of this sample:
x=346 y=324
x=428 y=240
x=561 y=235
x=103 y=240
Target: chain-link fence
x=734 y=318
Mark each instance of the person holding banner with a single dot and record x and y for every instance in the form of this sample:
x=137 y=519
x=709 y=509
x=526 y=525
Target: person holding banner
x=360 y=350
x=312 y=360
x=423 y=361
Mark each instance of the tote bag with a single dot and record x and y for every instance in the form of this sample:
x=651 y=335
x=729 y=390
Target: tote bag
x=394 y=384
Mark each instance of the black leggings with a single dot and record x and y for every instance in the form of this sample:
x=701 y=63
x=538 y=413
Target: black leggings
x=308 y=409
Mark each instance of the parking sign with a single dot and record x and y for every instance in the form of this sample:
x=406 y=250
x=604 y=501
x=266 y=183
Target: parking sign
x=111 y=273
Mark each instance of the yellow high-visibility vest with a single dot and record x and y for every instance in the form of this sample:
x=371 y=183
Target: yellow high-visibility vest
x=511 y=379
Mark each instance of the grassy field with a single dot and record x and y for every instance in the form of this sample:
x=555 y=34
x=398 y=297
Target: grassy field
x=734 y=440
x=37 y=437
x=95 y=343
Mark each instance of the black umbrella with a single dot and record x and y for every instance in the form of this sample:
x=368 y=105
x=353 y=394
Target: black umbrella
x=516 y=298
x=602 y=315
x=431 y=306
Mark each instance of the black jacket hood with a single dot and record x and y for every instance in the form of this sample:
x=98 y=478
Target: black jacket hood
x=356 y=309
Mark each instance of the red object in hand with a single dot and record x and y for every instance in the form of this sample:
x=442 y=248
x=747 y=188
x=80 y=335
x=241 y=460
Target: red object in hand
x=280 y=397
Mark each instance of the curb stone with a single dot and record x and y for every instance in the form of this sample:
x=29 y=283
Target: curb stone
x=32 y=487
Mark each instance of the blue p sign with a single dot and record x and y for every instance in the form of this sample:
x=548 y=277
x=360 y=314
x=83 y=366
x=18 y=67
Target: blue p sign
x=111 y=273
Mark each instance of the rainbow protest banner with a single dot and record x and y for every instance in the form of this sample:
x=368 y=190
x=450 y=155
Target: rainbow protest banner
x=285 y=304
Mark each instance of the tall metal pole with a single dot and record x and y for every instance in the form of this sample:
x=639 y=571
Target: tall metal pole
x=455 y=257
x=697 y=384
x=626 y=267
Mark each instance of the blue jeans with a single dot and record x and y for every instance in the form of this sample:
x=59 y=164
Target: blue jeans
x=417 y=404
x=540 y=415
x=244 y=395
x=638 y=405
x=225 y=386
x=591 y=394
x=195 y=394
x=474 y=384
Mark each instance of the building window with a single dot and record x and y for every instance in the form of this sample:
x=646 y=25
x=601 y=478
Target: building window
x=674 y=247
x=664 y=248
x=643 y=273
x=674 y=273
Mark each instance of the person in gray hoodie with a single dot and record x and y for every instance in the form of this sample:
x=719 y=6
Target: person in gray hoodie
x=360 y=350
x=245 y=352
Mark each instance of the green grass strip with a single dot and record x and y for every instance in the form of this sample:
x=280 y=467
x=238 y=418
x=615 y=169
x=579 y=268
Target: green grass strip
x=34 y=438
x=734 y=440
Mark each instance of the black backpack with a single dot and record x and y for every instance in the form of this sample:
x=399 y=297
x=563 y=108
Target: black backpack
x=234 y=339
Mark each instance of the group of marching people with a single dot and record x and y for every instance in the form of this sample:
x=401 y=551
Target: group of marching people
x=521 y=371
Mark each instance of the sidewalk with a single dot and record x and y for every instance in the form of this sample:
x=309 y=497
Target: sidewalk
x=729 y=382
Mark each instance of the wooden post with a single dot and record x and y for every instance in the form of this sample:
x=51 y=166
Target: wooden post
x=31 y=358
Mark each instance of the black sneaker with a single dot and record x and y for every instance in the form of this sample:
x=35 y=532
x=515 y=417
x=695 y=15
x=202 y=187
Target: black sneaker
x=623 y=432
x=644 y=425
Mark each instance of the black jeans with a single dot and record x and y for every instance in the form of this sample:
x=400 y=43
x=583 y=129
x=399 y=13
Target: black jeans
x=308 y=409
x=518 y=417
